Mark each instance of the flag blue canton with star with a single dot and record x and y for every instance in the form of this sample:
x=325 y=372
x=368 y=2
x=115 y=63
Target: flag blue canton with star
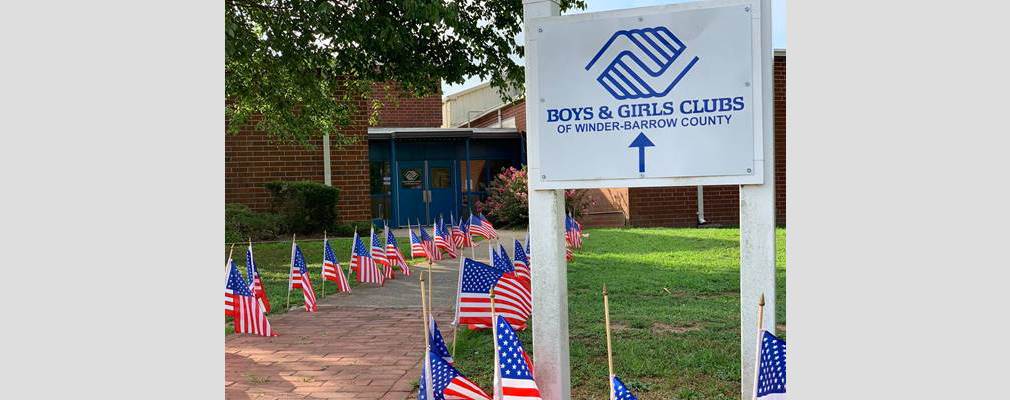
x=621 y=392
x=510 y=353
x=478 y=277
x=520 y=254
x=250 y=266
x=437 y=343
x=328 y=253
x=501 y=262
x=236 y=284
x=300 y=260
x=772 y=374
x=360 y=250
x=425 y=237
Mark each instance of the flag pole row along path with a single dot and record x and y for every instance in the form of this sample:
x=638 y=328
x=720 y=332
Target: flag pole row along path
x=366 y=344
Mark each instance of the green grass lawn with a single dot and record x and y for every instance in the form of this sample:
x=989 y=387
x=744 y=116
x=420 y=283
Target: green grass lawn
x=273 y=261
x=682 y=344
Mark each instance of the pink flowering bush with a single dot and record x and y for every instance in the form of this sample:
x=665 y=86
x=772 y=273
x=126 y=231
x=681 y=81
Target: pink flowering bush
x=508 y=203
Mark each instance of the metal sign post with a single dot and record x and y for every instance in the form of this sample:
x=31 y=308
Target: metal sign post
x=674 y=95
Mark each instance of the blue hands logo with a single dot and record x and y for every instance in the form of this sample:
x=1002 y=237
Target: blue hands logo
x=641 y=63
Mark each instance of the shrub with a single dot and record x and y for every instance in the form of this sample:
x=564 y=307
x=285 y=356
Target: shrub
x=306 y=207
x=241 y=224
x=508 y=204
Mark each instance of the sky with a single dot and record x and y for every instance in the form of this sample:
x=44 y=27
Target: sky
x=778 y=27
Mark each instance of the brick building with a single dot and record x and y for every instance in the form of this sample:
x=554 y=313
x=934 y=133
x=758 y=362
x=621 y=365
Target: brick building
x=445 y=151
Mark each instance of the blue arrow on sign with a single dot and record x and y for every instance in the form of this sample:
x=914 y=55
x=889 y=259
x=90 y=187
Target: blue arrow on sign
x=641 y=141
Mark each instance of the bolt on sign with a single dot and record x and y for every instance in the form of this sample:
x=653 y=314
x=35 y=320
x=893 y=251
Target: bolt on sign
x=658 y=96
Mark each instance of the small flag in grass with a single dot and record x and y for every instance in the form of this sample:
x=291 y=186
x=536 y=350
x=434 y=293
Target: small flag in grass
x=299 y=278
x=332 y=271
x=771 y=383
x=514 y=365
x=447 y=382
x=621 y=392
x=393 y=252
x=255 y=282
x=249 y=316
x=437 y=343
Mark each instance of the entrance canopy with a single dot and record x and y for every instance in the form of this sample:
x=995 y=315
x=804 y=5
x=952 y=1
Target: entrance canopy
x=422 y=174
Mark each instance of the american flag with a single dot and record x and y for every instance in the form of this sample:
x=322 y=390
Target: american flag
x=229 y=296
x=511 y=287
x=514 y=365
x=255 y=282
x=771 y=379
x=363 y=264
x=240 y=303
x=568 y=253
x=573 y=232
x=528 y=254
x=378 y=250
x=436 y=342
x=620 y=392
x=522 y=263
x=416 y=246
x=458 y=233
x=429 y=245
x=447 y=382
x=477 y=227
x=488 y=227
x=332 y=271
x=299 y=277
x=443 y=239
x=474 y=300
x=393 y=253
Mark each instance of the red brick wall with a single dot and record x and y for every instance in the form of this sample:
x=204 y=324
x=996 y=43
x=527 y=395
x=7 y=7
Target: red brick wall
x=404 y=111
x=252 y=159
x=678 y=206
x=516 y=109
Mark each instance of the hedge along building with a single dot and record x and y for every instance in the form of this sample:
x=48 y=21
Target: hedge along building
x=406 y=168
x=434 y=144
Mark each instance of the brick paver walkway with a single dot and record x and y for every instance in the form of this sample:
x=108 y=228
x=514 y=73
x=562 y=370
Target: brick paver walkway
x=336 y=353
x=363 y=345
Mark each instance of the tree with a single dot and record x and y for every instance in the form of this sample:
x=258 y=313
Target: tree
x=307 y=66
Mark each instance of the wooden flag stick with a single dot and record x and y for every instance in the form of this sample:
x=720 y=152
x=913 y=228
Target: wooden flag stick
x=430 y=300
x=324 y=262
x=231 y=251
x=757 y=349
x=289 y=269
x=610 y=357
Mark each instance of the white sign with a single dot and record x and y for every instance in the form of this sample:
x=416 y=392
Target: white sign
x=659 y=96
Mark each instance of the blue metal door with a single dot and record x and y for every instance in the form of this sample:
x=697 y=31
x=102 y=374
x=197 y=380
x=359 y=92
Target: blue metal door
x=442 y=189
x=411 y=178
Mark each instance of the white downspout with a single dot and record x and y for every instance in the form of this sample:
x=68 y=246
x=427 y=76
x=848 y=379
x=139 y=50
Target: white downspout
x=701 y=205
x=327 y=175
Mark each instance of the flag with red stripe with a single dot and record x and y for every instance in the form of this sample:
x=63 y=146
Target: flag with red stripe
x=332 y=271
x=393 y=253
x=513 y=368
x=362 y=263
x=255 y=282
x=299 y=277
x=247 y=311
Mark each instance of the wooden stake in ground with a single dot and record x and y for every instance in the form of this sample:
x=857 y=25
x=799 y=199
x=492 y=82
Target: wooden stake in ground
x=429 y=284
x=324 y=262
x=757 y=351
x=289 y=269
x=610 y=356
